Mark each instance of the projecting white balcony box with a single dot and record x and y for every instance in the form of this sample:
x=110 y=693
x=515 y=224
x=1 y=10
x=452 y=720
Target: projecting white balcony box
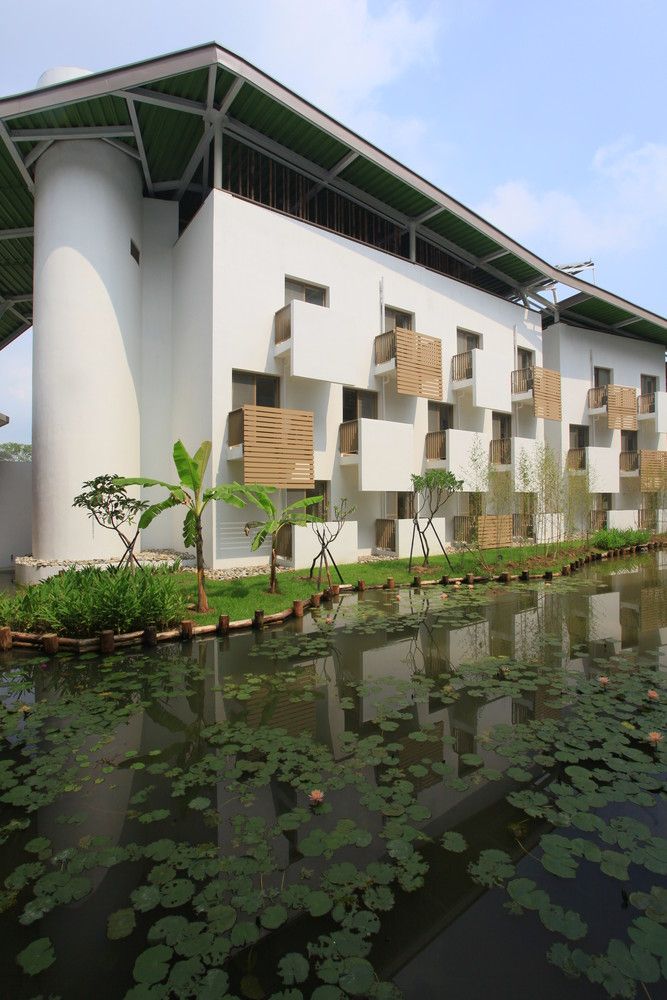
x=414 y=359
x=617 y=402
x=275 y=445
x=601 y=464
x=652 y=407
x=464 y=453
x=311 y=340
x=298 y=544
x=540 y=388
x=486 y=375
x=382 y=450
x=395 y=534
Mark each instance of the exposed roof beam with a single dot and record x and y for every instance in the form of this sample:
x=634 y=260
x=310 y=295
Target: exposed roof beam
x=123 y=147
x=487 y=258
x=80 y=132
x=338 y=168
x=161 y=186
x=17 y=158
x=146 y=96
x=626 y=322
x=194 y=162
x=131 y=110
x=36 y=152
x=428 y=214
x=16 y=234
x=230 y=96
x=15 y=300
x=210 y=101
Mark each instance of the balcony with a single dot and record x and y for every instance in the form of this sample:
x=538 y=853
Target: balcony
x=486 y=375
x=415 y=359
x=652 y=406
x=500 y=451
x=541 y=387
x=601 y=464
x=576 y=460
x=628 y=463
x=385 y=534
x=275 y=446
x=489 y=531
x=618 y=402
x=310 y=340
x=382 y=451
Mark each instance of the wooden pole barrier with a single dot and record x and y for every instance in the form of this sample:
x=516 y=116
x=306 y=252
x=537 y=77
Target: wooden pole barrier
x=150 y=636
x=565 y=571
x=297 y=608
x=258 y=620
x=5 y=638
x=361 y=586
x=525 y=575
x=335 y=589
x=390 y=583
x=187 y=629
x=50 y=643
x=107 y=642
x=548 y=574
x=315 y=600
x=223 y=624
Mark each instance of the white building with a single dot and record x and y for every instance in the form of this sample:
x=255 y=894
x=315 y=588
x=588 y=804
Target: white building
x=204 y=255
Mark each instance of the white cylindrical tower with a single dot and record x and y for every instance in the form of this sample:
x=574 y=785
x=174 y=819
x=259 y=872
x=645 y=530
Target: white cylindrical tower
x=86 y=353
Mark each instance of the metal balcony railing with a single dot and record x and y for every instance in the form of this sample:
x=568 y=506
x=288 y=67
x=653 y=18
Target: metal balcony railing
x=576 y=459
x=385 y=533
x=436 y=445
x=348 y=437
x=646 y=403
x=500 y=451
x=629 y=461
x=462 y=366
x=522 y=380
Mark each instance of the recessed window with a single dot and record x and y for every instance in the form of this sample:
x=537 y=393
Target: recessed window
x=359 y=403
x=397 y=318
x=578 y=436
x=602 y=377
x=467 y=341
x=440 y=416
x=302 y=291
x=649 y=384
x=320 y=489
x=254 y=389
x=525 y=358
x=628 y=440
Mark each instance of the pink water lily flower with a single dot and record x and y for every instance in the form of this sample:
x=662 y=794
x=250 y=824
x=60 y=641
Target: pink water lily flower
x=603 y=681
x=652 y=695
x=316 y=797
x=654 y=738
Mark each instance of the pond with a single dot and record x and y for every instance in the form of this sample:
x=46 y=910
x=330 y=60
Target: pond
x=435 y=793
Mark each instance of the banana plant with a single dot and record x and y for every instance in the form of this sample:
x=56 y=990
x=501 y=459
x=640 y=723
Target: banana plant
x=294 y=513
x=190 y=493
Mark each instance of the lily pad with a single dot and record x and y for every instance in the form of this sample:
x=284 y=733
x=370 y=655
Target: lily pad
x=39 y=955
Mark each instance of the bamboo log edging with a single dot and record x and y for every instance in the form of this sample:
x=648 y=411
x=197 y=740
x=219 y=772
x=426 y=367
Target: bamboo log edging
x=187 y=630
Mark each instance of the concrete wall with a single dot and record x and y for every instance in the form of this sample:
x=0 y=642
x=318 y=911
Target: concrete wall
x=15 y=511
x=305 y=545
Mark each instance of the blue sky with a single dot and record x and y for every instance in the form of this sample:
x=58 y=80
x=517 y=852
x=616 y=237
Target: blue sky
x=546 y=118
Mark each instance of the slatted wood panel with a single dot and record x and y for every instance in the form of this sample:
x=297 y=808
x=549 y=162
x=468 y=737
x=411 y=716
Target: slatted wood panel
x=652 y=471
x=436 y=445
x=418 y=365
x=277 y=710
x=547 y=394
x=621 y=408
x=385 y=533
x=283 y=324
x=494 y=530
x=652 y=608
x=278 y=447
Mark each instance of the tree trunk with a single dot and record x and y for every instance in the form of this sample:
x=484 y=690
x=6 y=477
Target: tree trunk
x=272 y=579
x=202 y=602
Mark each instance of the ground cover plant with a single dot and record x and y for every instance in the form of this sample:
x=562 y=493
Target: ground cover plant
x=213 y=896
x=81 y=603
x=618 y=538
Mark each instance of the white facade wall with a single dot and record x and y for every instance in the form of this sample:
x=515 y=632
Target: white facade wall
x=305 y=546
x=15 y=511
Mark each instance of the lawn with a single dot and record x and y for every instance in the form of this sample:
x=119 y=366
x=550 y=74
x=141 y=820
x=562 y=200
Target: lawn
x=241 y=598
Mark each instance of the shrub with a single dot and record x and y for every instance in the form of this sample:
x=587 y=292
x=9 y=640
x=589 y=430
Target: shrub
x=617 y=538
x=83 y=602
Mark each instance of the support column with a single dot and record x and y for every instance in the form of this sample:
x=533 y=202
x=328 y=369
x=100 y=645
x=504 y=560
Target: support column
x=87 y=324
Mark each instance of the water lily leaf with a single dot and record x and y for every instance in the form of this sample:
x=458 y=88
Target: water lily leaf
x=356 y=977
x=39 y=955
x=213 y=986
x=492 y=868
x=39 y=845
x=152 y=965
x=244 y=933
x=454 y=841
x=293 y=968
x=176 y=893
x=273 y=917
x=318 y=903
x=615 y=865
x=199 y=803
x=145 y=898
x=565 y=922
x=168 y=929
x=120 y=924
x=326 y=992
x=650 y=936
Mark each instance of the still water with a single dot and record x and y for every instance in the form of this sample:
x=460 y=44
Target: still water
x=494 y=812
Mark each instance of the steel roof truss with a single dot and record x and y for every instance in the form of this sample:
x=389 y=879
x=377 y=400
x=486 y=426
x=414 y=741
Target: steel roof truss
x=132 y=111
x=16 y=234
x=17 y=158
x=80 y=132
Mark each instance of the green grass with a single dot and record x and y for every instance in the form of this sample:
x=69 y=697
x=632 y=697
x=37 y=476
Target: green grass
x=241 y=598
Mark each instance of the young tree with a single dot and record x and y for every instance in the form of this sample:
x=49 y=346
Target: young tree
x=326 y=536
x=109 y=506
x=12 y=451
x=190 y=493
x=431 y=493
x=294 y=514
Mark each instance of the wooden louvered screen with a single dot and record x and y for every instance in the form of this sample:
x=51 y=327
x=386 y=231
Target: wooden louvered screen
x=278 y=447
x=284 y=709
x=546 y=394
x=652 y=471
x=494 y=530
x=418 y=365
x=621 y=408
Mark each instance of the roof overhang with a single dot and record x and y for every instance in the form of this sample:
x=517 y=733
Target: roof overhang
x=165 y=112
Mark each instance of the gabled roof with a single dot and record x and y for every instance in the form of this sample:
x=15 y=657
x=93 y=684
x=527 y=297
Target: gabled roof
x=164 y=113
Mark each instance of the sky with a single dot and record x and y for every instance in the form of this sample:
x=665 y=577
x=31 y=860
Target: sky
x=547 y=119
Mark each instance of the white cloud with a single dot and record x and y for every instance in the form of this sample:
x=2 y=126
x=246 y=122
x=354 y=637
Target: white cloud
x=624 y=209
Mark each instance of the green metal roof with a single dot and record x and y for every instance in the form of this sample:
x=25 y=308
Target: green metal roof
x=163 y=112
